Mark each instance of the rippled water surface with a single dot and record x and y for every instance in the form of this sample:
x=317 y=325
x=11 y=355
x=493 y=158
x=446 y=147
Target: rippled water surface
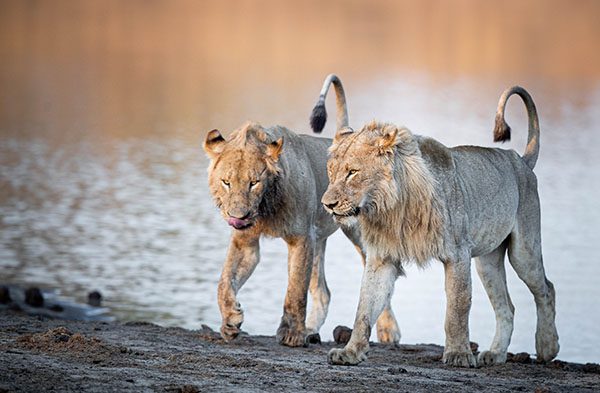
x=103 y=180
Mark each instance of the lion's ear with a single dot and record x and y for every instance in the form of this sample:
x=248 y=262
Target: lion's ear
x=342 y=133
x=388 y=140
x=274 y=149
x=214 y=144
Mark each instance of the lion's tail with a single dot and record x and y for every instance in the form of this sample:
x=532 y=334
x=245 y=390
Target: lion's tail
x=502 y=130
x=318 y=117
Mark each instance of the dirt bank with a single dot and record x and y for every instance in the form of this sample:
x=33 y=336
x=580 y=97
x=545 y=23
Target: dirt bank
x=39 y=354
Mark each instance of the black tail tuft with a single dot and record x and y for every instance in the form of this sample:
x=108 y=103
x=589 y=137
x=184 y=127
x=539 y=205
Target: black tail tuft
x=318 y=117
x=501 y=130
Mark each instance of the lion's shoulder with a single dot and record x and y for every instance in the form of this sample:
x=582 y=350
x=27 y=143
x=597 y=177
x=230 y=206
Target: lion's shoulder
x=435 y=153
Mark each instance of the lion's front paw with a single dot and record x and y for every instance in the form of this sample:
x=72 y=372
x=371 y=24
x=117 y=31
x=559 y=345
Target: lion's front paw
x=290 y=337
x=459 y=359
x=229 y=331
x=344 y=357
x=230 y=328
x=489 y=358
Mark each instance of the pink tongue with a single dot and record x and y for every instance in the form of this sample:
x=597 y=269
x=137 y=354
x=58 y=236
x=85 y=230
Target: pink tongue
x=236 y=222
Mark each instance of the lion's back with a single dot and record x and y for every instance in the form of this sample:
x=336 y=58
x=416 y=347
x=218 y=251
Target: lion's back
x=316 y=150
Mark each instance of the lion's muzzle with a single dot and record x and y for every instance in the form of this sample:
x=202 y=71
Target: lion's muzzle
x=328 y=204
x=338 y=209
x=239 y=219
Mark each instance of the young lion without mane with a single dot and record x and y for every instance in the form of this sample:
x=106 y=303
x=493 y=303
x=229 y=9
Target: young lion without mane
x=417 y=200
x=269 y=181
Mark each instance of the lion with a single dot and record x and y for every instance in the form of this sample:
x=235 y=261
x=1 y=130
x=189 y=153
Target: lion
x=269 y=182
x=417 y=200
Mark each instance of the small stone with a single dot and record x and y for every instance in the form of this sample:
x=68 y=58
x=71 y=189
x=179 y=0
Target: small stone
x=95 y=299
x=34 y=297
x=314 y=338
x=397 y=370
x=474 y=346
x=341 y=334
x=62 y=338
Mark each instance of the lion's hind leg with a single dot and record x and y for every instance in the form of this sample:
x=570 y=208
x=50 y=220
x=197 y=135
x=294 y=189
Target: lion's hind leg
x=292 y=328
x=388 y=331
x=525 y=255
x=319 y=293
x=490 y=268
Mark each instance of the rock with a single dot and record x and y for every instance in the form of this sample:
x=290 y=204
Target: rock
x=341 y=334
x=95 y=299
x=34 y=297
x=5 y=295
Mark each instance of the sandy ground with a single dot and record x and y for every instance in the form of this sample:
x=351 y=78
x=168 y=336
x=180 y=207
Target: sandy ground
x=41 y=354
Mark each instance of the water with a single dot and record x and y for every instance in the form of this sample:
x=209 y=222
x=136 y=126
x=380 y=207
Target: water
x=103 y=181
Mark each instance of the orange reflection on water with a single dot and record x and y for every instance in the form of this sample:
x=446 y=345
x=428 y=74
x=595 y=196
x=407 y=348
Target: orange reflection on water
x=122 y=67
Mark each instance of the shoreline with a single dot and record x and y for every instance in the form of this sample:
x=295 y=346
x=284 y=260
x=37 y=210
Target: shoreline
x=39 y=353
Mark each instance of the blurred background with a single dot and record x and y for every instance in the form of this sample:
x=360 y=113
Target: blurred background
x=104 y=104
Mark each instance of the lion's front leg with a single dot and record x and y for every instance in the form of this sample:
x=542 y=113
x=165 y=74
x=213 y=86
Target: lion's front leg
x=242 y=258
x=291 y=331
x=457 y=351
x=376 y=290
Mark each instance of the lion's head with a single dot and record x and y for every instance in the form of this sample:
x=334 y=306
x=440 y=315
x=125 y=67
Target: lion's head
x=362 y=178
x=243 y=173
x=378 y=174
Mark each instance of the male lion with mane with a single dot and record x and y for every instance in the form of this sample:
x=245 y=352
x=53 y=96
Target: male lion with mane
x=417 y=200
x=269 y=181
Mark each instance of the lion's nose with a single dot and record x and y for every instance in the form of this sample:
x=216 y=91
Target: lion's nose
x=241 y=215
x=331 y=205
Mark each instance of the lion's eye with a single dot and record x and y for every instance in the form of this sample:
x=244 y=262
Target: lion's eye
x=225 y=183
x=351 y=173
x=253 y=183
